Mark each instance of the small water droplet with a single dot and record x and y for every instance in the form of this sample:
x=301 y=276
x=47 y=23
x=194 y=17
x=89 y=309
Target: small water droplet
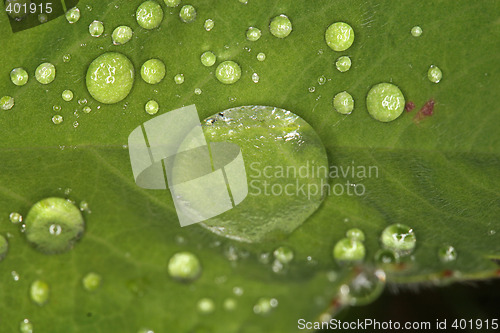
x=364 y=288
x=399 y=238
x=206 y=305
x=228 y=72
x=491 y=232
x=187 y=13
x=152 y=107
x=75 y=124
x=179 y=79
x=96 y=28
x=67 y=95
x=26 y=326
x=45 y=73
x=229 y=304
x=209 y=24
x=197 y=91
x=434 y=74
x=447 y=253
x=343 y=103
x=91 y=281
x=184 y=266
x=57 y=119
x=4 y=247
x=386 y=257
x=311 y=89
x=15 y=276
x=322 y=80
x=19 y=76
x=145 y=330
x=172 y=3
x=67 y=57
x=343 y=64
x=6 y=102
x=280 y=26
x=15 y=218
x=208 y=58
x=349 y=251
x=261 y=56
x=416 y=31
x=238 y=291
x=153 y=71
x=253 y=34
x=39 y=292
x=122 y=35
x=87 y=109
x=339 y=36
x=149 y=14
x=73 y=15
x=255 y=78
x=82 y=101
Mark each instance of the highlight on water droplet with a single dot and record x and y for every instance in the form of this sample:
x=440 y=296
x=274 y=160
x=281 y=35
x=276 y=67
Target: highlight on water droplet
x=110 y=77
x=261 y=56
x=434 y=74
x=15 y=218
x=209 y=24
x=39 y=292
x=206 y=305
x=121 y=35
x=283 y=254
x=356 y=234
x=208 y=58
x=149 y=15
x=179 y=78
x=151 y=107
x=67 y=95
x=57 y=119
x=172 y=3
x=56 y=108
x=399 y=238
x=26 y=326
x=73 y=15
x=416 y=31
x=96 y=28
x=255 y=78
x=153 y=71
x=364 y=288
x=447 y=253
x=280 y=26
x=91 y=281
x=385 y=102
x=45 y=73
x=67 y=57
x=4 y=247
x=253 y=34
x=187 y=13
x=53 y=225
x=343 y=64
x=6 y=103
x=322 y=80
x=339 y=36
x=184 y=266
x=19 y=76
x=348 y=251
x=228 y=72
x=343 y=103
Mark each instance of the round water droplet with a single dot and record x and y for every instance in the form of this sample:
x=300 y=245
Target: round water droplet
x=280 y=26
x=206 y=305
x=311 y=89
x=57 y=119
x=153 y=71
x=447 y=253
x=356 y=234
x=149 y=15
x=172 y=3
x=343 y=103
x=151 y=107
x=184 y=266
x=4 y=247
x=255 y=78
x=15 y=218
x=229 y=304
x=67 y=95
x=73 y=15
x=261 y=56
x=208 y=58
x=56 y=108
x=86 y=109
x=53 y=225
x=197 y=91
x=187 y=13
x=19 y=76
x=399 y=238
x=339 y=36
x=238 y=291
x=39 y=292
x=228 y=72
x=434 y=74
x=6 y=102
x=343 y=64
x=348 y=250
x=209 y=24
x=385 y=102
x=253 y=34
x=43 y=18
x=91 y=281
x=283 y=254
x=82 y=101
x=386 y=257
x=364 y=288
x=26 y=326
x=416 y=31
x=45 y=73
x=322 y=80
x=67 y=57
x=96 y=28
x=277 y=140
x=110 y=77
x=179 y=79
x=122 y=35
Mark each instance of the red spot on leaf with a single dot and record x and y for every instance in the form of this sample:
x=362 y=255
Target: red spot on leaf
x=447 y=273
x=409 y=106
x=426 y=111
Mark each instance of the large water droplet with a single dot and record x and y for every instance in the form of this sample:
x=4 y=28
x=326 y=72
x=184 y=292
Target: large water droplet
x=184 y=266
x=187 y=13
x=416 y=31
x=385 y=102
x=399 y=238
x=67 y=95
x=39 y=292
x=4 y=247
x=447 y=253
x=228 y=72
x=53 y=225
x=364 y=288
x=96 y=28
x=19 y=76
x=343 y=103
x=343 y=64
x=91 y=281
x=6 y=102
x=45 y=73
x=339 y=36
x=253 y=34
x=122 y=35
x=153 y=71
x=26 y=326
x=434 y=74
x=149 y=15
x=206 y=305
x=280 y=26
x=110 y=77
x=348 y=251
x=73 y=15
x=151 y=107
x=208 y=58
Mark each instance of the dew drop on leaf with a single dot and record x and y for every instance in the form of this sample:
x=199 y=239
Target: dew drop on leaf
x=365 y=287
x=26 y=326
x=73 y=15
x=416 y=31
x=283 y=254
x=6 y=102
x=209 y=24
x=184 y=266
x=343 y=103
x=343 y=64
x=96 y=28
x=208 y=58
x=179 y=78
x=187 y=13
x=19 y=76
x=15 y=217
x=386 y=257
x=280 y=26
x=67 y=95
x=91 y=281
x=39 y=292
x=385 y=102
x=149 y=15
x=206 y=305
x=349 y=251
x=339 y=36
x=434 y=74
x=228 y=72
x=57 y=119
x=261 y=56
x=172 y=3
x=151 y=107
x=121 y=35
x=253 y=34
x=447 y=253
x=45 y=73
x=399 y=238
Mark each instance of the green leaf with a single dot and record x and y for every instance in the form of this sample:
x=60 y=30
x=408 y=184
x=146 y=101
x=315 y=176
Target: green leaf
x=438 y=176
